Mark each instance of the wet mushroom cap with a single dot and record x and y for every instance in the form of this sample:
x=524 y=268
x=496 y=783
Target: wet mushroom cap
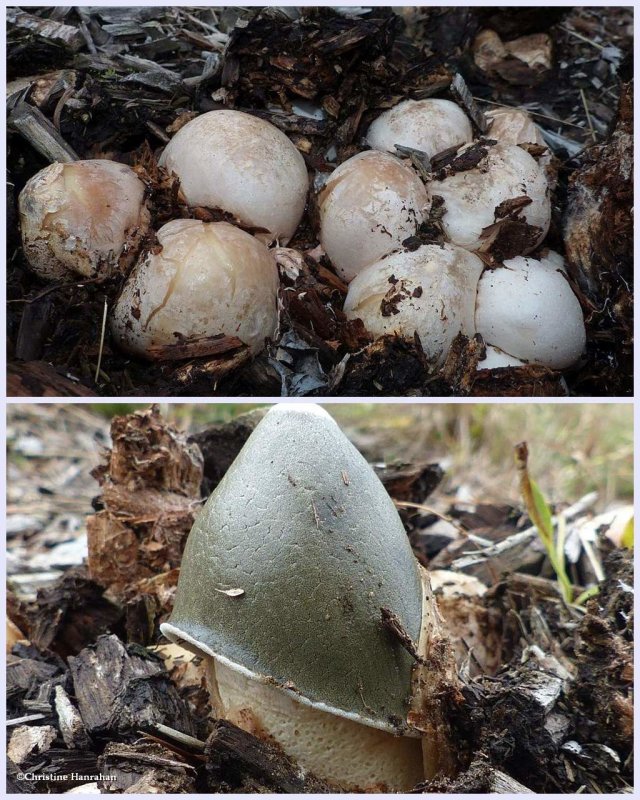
x=371 y=203
x=472 y=196
x=528 y=309
x=207 y=279
x=431 y=126
x=243 y=165
x=85 y=218
x=305 y=534
x=430 y=291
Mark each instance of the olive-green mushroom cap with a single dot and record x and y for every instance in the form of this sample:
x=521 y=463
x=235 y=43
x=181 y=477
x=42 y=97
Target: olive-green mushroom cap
x=302 y=525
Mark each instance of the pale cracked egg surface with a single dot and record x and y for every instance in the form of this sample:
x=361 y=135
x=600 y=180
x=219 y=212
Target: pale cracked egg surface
x=207 y=279
x=472 y=196
x=84 y=218
x=430 y=291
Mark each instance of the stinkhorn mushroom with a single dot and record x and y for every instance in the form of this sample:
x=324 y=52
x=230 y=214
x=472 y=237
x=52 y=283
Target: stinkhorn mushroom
x=206 y=280
x=243 y=165
x=431 y=126
x=430 y=291
x=82 y=219
x=368 y=207
x=528 y=309
x=504 y=179
x=299 y=585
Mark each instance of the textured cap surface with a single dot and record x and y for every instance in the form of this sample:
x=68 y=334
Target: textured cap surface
x=303 y=526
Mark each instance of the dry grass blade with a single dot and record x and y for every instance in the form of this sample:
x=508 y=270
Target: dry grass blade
x=102 y=333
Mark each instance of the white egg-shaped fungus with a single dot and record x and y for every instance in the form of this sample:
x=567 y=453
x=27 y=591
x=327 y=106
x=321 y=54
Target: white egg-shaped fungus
x=368 y=207
x=430 y=291
x=243 y=165
x=84 y=218
x=528 y=309
x=476 y=198
x=431 y=125
x=208 y=279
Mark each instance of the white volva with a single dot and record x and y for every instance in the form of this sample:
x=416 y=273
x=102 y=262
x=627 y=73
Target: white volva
x=355 y=756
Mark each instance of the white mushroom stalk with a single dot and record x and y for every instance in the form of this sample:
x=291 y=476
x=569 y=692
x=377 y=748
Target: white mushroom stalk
x=299 y=585
x=368 y=207
x=243 y=165
x=84 y=218
x=207 y=280
x=430 y=291
x=431 y=125
x=528 y=309
x=473 y=196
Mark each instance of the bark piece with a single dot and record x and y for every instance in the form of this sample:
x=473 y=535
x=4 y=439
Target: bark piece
x=145 y=768
x=41 y=134
x=24 y=675
x=70 y=722
x=120 y=689
x=27 y=740
x=475 y=630
x=71 y=614
x=480 y=778
x=237 y=757
x=39 y=379
x=598 y=223
x=604 y=649
x=60 y=770
x=15 y=786
x=49 y=29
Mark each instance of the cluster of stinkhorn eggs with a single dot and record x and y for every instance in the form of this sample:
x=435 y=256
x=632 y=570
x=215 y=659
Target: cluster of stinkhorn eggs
x=200 y=280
